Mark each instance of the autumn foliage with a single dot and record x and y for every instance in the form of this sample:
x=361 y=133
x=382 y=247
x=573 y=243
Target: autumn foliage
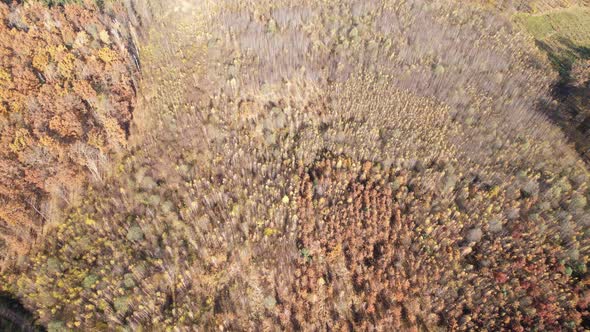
x=66 y=97
x=379 y=250
x=368 y=165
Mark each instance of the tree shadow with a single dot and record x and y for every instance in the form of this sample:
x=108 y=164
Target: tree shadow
x=563 y=55
x=14 y=317
x=566 y=111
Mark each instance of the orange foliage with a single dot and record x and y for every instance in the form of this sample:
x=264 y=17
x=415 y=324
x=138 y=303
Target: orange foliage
x=54 y=63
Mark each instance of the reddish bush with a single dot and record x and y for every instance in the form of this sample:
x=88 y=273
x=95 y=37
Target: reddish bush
x=365 y=264
x=378 y=251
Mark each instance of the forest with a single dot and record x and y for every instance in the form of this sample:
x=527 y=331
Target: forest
x=374 y=165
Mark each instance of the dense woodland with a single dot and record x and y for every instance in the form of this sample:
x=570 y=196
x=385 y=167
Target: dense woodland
x=294 y=165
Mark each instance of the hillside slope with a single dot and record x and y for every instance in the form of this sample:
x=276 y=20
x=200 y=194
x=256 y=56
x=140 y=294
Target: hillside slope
x=318 y=164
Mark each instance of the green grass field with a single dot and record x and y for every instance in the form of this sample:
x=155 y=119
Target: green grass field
x=563 y=34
